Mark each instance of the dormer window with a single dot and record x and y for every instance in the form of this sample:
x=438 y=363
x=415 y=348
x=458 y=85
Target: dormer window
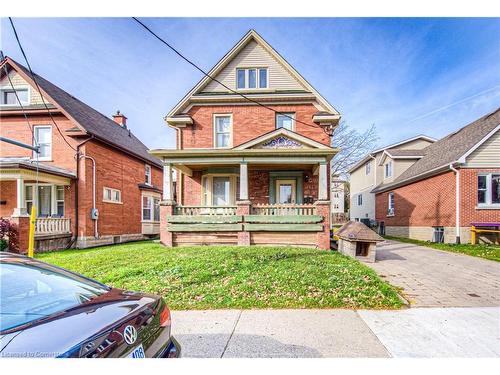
x=251 y=78
x=8 y=96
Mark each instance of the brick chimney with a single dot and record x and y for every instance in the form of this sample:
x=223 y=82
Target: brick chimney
x=120 y=119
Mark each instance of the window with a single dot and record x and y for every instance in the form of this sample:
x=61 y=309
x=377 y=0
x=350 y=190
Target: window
x=368 y=167
x=43 y=138
x=60 y=201
x=156 y=209
x=48 y=199
x=390 y=204
x=147 y=208
x=285 y=120
x=218 y=190
x=360 y=199
x=335 y=195
x=438 y=234
x=148 y=179
x=251 y=78
x=488 y=189
x=222 y=131
x=388 y=169
x=8 y=96
x=112 y=195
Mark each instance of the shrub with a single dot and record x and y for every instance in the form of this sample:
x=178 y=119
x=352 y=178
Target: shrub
x=8 y=236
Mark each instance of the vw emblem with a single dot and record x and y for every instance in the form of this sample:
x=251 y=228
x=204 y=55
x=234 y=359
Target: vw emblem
x=130 y=334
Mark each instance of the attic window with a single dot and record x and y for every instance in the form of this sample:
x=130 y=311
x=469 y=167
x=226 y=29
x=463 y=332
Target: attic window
x=8 y=96
x=251 y=78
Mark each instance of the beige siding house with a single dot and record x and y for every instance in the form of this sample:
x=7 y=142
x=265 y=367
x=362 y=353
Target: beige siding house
x=381 y=166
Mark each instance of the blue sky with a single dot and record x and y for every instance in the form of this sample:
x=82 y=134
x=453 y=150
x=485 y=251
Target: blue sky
x=406 y=76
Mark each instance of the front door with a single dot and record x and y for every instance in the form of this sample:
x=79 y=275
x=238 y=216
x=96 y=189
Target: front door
x=285 y=191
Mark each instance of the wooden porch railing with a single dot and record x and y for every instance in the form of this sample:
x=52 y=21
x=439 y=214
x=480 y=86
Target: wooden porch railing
x=52 y=225
x=204 y=210
x=283 y=209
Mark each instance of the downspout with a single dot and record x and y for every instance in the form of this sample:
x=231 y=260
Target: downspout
x=77 y=156
x=96 y=233
x=457 y=203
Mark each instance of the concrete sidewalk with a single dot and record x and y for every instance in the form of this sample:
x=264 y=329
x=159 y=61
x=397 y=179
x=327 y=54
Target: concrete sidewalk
x=431 y=332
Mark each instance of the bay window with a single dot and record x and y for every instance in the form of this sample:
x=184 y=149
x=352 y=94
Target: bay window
x=488 y=189
x=150 y=208
x=47 y=198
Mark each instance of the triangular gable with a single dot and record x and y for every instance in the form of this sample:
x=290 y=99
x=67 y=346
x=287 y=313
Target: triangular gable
x=19 y=82
x=256 y=44
x=281 y=138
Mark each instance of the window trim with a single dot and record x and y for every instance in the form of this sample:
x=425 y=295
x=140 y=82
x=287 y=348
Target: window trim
x=290 y=114
x=360 y=199
x=388 y=164
x=257 y=78
x=214 y=129
x=391 y=207
x=43 y=158
x=368 y=167
x=206 y=191
x=488 y=192
x=148 y=176
x=16 y=88
x=104 y=199
x=53 y=198
x=151 y=197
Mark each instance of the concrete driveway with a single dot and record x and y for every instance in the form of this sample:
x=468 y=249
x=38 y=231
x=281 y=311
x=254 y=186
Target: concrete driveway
x=434 y=278
x=427 y=332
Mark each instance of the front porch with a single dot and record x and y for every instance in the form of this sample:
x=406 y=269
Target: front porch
x=49 y=189
x=268 y=191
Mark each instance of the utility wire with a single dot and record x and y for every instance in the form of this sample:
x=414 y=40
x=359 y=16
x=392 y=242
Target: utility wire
x=215 y=79
x=38 y=87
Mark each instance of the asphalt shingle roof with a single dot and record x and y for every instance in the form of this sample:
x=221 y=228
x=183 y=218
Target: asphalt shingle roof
x=357 y=231
x=92 y=121
x=400 y=152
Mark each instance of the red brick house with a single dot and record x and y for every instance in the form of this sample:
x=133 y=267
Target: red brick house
x=124 y=188
x=246 y=174
x=454 y=186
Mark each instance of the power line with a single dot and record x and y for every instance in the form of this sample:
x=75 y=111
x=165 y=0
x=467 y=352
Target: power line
x=215 y=79
x=36 y=84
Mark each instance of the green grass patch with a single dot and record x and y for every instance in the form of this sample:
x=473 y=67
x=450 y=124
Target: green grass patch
x=490 y=252
x=216 y=277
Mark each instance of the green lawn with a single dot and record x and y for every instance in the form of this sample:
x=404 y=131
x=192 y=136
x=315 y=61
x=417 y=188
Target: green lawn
x=233 y=277
x=490 y=252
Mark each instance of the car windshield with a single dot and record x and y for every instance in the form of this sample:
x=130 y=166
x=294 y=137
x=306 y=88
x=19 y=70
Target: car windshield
x=31 y=291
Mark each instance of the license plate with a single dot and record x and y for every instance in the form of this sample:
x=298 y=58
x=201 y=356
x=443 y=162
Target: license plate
x=137 y=353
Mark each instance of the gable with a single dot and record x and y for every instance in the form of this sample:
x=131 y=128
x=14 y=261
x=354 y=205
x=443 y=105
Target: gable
x=281 y=139
x=35 y=99
x=486 y=155
x=255 y=55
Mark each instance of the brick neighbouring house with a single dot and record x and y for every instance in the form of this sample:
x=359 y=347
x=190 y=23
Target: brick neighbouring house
x=245 y=174
x=424 y=201
x=65 y=191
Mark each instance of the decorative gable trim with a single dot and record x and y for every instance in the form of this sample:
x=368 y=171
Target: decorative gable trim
x=251 y=35
x=289 y=137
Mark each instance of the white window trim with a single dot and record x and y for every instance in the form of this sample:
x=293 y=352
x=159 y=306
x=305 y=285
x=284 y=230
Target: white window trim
x=112 y=191
x=150 y=174
x=257 y=78
x=214 y=129
x=289 y=114
x=368 y=167
x=358 y=199
x=151 y=196
x=390 y=208
x=489 y=193
x=386 y=174
x=43 y=158
x=208 y=192
x=9 y=88
x=53 y=198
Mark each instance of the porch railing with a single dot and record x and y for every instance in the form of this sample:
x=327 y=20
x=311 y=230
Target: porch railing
x=52 y=225
x=283 y=209
x=204 y=210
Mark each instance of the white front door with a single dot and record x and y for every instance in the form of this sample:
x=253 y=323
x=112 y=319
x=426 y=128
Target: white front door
x=285 y=191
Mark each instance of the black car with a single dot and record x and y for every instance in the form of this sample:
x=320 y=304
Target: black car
x=46 y=311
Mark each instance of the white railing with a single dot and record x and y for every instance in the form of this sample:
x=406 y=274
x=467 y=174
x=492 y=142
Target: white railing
x=283 y=209
x=205 y=210
x=52 y=225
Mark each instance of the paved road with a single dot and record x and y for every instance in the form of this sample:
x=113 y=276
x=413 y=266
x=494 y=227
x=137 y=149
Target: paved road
x=429 y=332
x=434 y=278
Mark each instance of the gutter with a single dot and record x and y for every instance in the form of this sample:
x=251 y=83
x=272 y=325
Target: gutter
x=457 y=203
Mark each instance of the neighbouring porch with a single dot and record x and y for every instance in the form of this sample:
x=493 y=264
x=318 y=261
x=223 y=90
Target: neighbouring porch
x=50 y=190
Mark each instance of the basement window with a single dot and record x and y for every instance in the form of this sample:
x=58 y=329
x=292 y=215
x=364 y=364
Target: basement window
x=438 y=234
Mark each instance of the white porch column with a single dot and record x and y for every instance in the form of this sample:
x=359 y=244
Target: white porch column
x=20 y=209
x=243 y=181
x=323 y=182
x=168 y=183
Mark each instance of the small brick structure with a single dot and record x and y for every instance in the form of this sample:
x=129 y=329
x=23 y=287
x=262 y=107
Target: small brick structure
x=358 y=241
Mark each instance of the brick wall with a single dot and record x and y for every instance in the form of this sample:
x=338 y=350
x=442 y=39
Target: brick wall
x=8 y=194
x=258 y=186
x=117 y=170
x=468 y=203
x=249 y=121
